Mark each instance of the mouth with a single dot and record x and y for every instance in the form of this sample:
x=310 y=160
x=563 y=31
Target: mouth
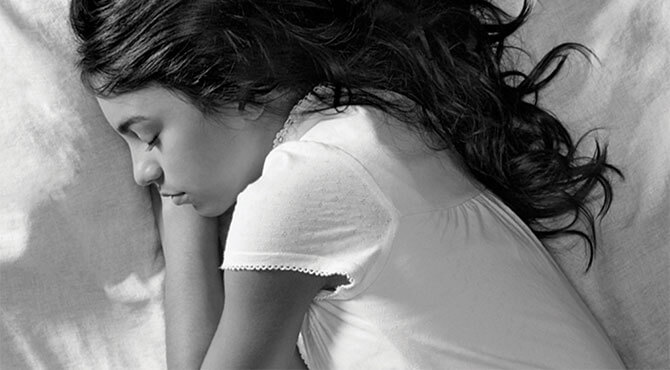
x=177 y=198
x=167 y=195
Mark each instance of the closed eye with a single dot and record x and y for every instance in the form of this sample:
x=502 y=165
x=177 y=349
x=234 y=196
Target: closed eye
x=151 y=144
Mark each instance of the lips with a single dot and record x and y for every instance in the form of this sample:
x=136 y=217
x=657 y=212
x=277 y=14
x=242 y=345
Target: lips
x=180 y=199
x=177 y=198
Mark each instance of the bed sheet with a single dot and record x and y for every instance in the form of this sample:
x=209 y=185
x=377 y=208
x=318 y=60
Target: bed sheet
x=628 y=93
x=80 y=277
x=80 y=268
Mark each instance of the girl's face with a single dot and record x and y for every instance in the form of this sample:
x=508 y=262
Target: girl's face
x=192 y=158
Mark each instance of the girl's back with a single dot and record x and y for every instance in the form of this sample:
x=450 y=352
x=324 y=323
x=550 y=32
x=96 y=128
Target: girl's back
x=396 y=256
x=440 y=272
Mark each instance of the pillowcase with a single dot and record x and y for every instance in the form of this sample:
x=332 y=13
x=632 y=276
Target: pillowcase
x=627 y=93
x=80 y=266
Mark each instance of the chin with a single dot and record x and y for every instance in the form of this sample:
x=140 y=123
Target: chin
x=205 y=211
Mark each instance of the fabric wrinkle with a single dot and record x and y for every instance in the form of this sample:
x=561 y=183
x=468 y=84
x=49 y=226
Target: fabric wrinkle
x=441 y=272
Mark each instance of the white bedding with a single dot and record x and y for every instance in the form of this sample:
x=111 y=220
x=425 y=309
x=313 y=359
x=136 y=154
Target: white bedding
x=628 y=94
x=80 y=280
x=80 y=277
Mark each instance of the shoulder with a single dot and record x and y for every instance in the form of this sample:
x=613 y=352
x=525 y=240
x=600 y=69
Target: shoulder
x=314 y=209
x=298 y=170
x=307 y=186
x=411 y=175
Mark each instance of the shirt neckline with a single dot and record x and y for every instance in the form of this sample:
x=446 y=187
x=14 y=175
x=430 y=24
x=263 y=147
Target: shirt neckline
x=308 y=102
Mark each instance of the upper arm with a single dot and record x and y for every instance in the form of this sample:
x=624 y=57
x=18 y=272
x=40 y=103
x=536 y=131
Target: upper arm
x=261 y=319
x=327 y=216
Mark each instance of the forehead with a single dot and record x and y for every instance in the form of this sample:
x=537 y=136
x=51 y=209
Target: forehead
x=150 y=98
x=151 y=103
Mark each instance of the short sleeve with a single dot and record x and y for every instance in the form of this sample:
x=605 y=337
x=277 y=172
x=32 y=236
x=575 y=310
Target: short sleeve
x=314 y=210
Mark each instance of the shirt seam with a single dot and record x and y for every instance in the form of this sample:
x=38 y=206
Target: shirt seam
x=389 y=238
x=460 y=204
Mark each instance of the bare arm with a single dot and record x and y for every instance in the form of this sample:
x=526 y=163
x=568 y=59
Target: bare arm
x=193 y=286
x=261 y=320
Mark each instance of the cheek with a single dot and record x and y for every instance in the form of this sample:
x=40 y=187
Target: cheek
x=241 y=159
x=220 y=164
x=197 y=165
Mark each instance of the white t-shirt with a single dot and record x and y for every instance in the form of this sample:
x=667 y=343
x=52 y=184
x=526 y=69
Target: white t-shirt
x=441 y=273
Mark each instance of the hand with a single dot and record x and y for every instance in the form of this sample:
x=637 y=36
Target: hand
x=174 y=211
x=182 y=226
x=193 y=284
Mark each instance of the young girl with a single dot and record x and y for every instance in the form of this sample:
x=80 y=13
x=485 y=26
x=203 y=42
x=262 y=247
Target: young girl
x=391 y=170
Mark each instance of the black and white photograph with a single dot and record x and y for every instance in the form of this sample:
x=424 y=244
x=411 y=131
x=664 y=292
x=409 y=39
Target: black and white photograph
x=334 y=184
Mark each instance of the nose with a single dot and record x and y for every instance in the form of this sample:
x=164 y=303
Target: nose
x=146 y=170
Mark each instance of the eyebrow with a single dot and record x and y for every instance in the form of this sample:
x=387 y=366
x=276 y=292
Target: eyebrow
x=124 y=127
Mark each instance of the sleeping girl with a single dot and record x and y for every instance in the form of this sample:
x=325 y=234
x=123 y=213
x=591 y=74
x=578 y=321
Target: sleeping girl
x=390 y=175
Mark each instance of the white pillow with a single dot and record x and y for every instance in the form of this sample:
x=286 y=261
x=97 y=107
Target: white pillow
x=80 y=264
x=627 y=93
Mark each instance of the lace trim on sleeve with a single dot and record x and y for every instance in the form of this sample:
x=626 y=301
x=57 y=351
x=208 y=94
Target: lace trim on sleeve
x=324 y=294
x=303 y=356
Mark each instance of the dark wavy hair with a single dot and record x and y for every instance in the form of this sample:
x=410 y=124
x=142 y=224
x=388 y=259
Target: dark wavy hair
x=450 y=57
